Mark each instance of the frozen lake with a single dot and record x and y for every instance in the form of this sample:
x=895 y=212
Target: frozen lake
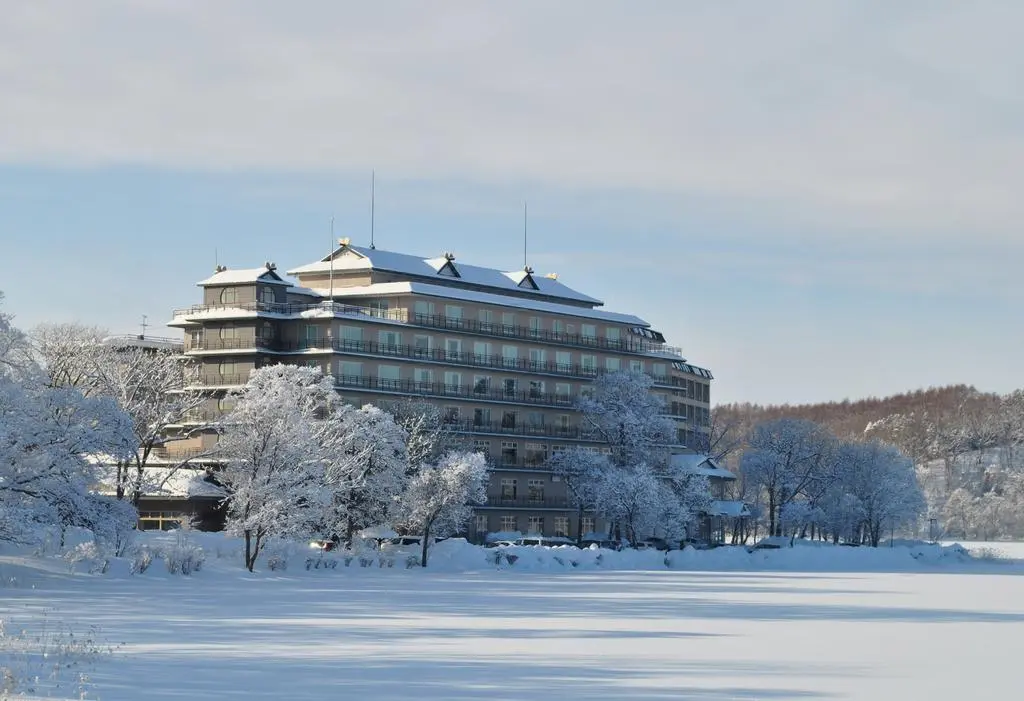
x=383 y=635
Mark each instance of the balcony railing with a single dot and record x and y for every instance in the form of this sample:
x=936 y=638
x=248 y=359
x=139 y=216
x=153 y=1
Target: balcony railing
x=390 y=350
x=522 y=429
x=178 y=454
x=495 y=501
x=456 y=391
x=217 y=380
x=435 y=321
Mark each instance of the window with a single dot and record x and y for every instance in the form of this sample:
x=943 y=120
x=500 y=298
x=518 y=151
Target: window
x=536 y=389
x=509 y=452
x=481 y=523
x=509 y=524
x=613 y=335
x=508 y=488
x=352 y=335
x=421 y=345
x=509 y=386
x=612 y=364
x=563 y=390
x=558 y=327
x=225 y=404
x=636 y=366
x=228 y=295
x=389 y=340
x=536 y=419
x=563 y=423
x=659 y=370
x=588 y=331
x=563 y=359
x=535 y=490
x=378 y=307
x=452 y=380
x=267 y=294
x=482 y=446
x=451 y=414
x=312 y=333
x=562 y=526
x=508 y=419
x=570 y=329
x=587 y=524
x=228 y=333
x=227 y=368
x=535 y=524
x=423 y=376
x=558 y=448
x=588 y=363
x=535 y=454
x=534 y=326
x=481 y=384
x=421 y=309
x=388 y=375
x=508 y=322
x=482 y=351
x=349 y=369
x=453 y=311
x=482 y=417
x=453 y=347
x=485 y=317
x=509 y=356
x=536 y=357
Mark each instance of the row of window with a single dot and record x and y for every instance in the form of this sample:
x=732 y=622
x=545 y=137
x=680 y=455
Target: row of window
x=510 y=320
x=530 y=525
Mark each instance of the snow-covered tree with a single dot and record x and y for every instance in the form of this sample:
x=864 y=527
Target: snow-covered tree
x=625 y=415
x=150 y=386
x=581 y=472
x=271 y=444
x=632 y=498
x=428 y=435
x=786 y=458
x=49 y=440
x=439 y=498
x=370 y=468
x=884 y=483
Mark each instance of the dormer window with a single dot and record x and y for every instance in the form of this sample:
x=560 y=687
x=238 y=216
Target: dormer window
x=267 y=294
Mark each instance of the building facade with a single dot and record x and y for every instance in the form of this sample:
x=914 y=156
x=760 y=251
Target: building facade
x=504 y=354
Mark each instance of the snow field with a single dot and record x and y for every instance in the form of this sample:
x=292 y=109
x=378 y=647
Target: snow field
x=935 y=630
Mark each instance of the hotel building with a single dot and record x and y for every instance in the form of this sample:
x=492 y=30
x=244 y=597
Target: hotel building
x=504 y=354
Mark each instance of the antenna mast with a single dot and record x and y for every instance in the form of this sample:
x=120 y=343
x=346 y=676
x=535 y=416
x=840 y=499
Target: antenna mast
x=525 y=260
x=144 y=325
x=331 y=254
x=373 y=183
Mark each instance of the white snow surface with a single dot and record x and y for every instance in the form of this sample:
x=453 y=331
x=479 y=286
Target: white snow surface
x=811 y=622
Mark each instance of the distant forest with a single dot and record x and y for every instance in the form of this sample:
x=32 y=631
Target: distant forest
x=968 y=445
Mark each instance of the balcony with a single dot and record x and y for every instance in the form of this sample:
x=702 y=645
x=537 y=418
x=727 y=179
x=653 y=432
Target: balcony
x=166 y=454
x=199 y=312
x=217 y=380
x=218 y=311
x=522 y=429
x=435 y=389
x=407 y=352
x=496 y=501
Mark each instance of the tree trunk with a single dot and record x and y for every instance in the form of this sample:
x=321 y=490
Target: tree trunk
x=426 y=539
x=579 y=526
x=771 y=514
x=249 y=560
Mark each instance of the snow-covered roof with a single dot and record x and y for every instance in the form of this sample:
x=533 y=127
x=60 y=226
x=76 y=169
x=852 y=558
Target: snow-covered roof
x=237 y=277
x=383 y=289
x=734 y=509
x=349 y=257
x=699 y=464
x=305 y=291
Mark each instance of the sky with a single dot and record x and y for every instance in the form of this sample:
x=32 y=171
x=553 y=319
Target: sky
x=815 y=200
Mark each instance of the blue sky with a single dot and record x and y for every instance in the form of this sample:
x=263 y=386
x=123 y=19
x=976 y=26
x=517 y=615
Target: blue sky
x=815 y=200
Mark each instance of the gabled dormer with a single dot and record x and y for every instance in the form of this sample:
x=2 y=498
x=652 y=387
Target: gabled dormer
x=445 y=265
x=524 y=279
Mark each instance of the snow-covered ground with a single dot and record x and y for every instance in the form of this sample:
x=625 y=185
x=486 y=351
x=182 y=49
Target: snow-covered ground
x=767 y=628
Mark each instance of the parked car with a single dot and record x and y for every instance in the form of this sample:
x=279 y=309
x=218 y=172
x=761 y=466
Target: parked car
x=546 y=541
x=604 y=544
x=323 y=545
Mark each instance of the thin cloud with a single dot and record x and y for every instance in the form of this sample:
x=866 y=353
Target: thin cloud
x=897 y=118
